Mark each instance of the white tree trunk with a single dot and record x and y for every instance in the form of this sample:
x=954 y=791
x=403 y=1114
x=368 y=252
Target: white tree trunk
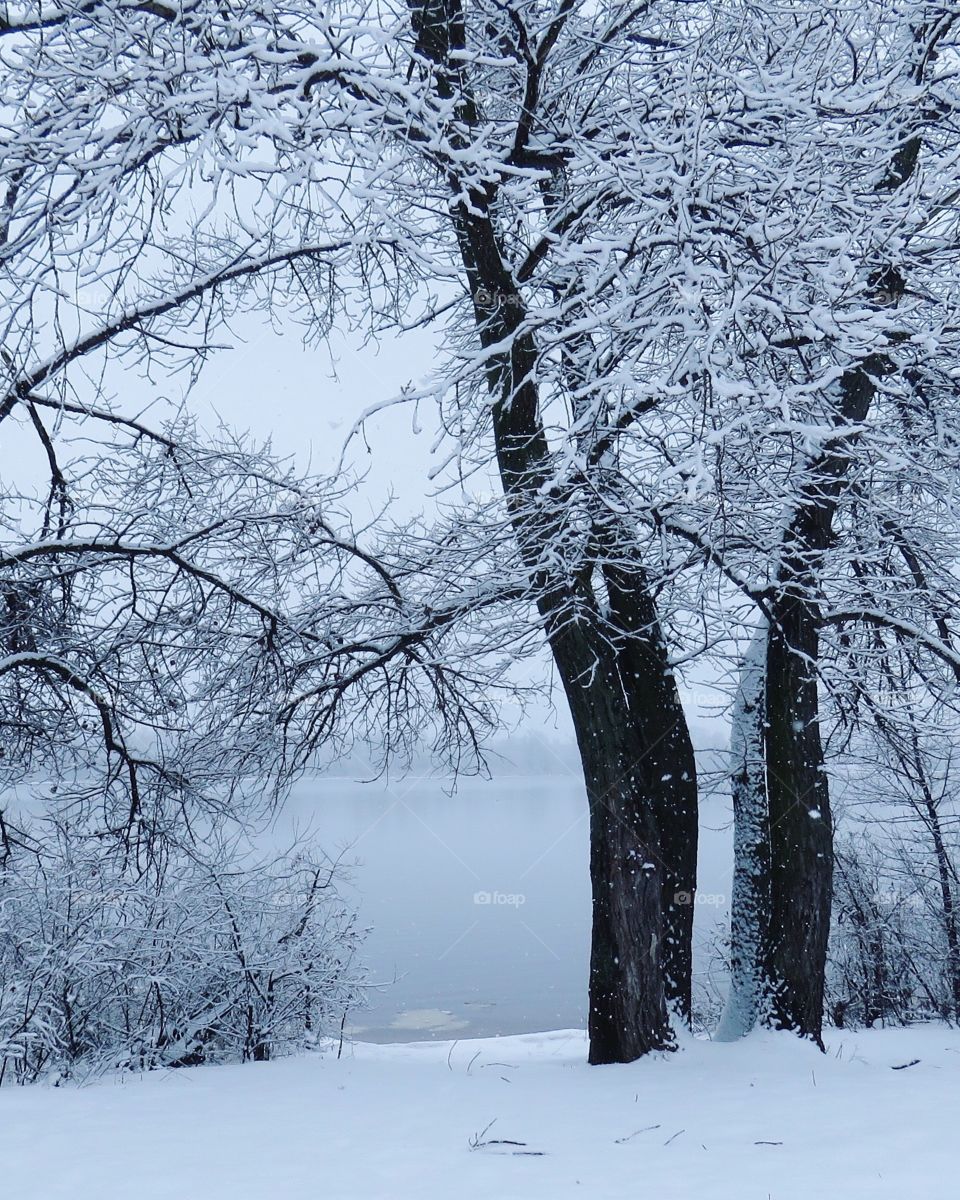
x=751 y=879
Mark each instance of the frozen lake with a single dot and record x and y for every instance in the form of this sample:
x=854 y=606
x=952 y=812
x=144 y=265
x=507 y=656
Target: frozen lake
x=479 y=901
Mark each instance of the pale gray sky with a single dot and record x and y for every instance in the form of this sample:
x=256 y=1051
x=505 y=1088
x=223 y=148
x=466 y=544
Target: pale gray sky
x=308 y=399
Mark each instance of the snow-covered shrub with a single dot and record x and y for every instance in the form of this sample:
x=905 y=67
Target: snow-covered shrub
x=109 y=964
x=890 y=960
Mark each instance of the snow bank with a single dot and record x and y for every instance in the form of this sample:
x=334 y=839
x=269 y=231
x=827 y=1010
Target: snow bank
x=513 y=1118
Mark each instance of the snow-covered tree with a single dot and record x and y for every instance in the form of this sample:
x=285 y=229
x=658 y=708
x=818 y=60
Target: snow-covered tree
x=692 y=273
x=862 y=367
x=387 y=159
x=183 y=624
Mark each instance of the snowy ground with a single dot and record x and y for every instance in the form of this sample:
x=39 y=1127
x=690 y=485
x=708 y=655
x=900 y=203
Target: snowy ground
x=769 y=1119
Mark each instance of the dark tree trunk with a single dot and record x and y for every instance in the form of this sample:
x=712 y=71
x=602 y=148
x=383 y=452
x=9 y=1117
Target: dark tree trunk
x=641 y=787
x=627 y=1005
x=798 y=797
x=798 y=801
x=635 y=748
x=663 y=754
x=801 y=832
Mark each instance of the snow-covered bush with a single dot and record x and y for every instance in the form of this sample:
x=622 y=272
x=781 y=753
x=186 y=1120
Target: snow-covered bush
x=890 y=949
x=109 y=964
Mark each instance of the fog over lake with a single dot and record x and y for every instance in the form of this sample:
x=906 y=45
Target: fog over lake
x=479 y=901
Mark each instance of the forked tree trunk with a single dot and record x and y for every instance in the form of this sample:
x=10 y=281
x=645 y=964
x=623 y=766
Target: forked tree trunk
x=641 y=787
x=636 y=753
x=631 y=730
x=664 y=755
x=638 y=768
